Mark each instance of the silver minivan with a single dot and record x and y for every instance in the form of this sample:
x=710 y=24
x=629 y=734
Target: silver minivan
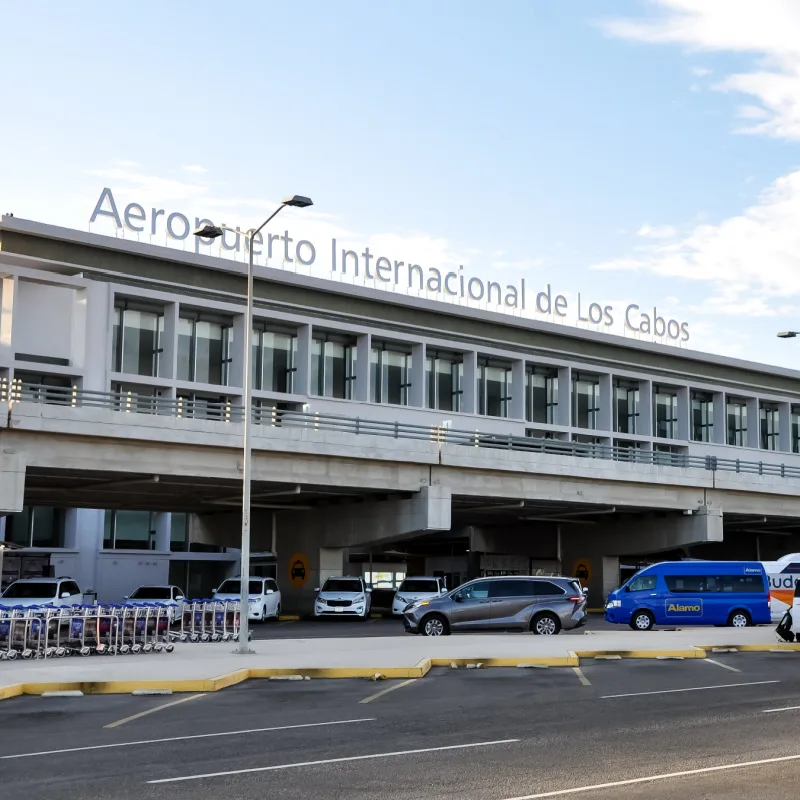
x=542 y=605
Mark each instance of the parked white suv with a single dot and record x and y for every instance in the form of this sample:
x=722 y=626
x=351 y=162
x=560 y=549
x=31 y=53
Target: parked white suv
x=264 y=595
x=413 y=589
x=343 y=597
x=42 y=591
x=170 y=596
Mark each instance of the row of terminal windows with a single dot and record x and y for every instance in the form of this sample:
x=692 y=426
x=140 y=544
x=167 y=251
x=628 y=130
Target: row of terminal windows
x=205 y=343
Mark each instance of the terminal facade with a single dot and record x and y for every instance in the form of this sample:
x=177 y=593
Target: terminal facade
x=143 y=328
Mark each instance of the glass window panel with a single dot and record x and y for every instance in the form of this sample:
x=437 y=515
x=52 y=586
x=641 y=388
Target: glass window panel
x=317 y=369
x=795 y=432
x=141 y=332
x=769 y=428
x=335 y=372
x=116 y=342
x=133 y=530
x=185 y=336
x=587 y=403
x=208 y=352
x=666 y=415
x=48 y=527
x=277 y=362
x=494 y=389
x=375 y=375
x=737 y=424
x=702 y=418
x=18 y=527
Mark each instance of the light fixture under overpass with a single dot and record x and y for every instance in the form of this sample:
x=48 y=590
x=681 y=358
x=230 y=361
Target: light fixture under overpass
x=569 y=516
x=788 y=334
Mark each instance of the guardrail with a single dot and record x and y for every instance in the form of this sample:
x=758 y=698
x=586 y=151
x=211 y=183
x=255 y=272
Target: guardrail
x=225 y=412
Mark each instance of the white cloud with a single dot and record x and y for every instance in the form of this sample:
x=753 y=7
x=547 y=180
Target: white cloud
x=701 y=72
x=656 y=232
x=768 y=30
x=196 y=169
x=127 y=164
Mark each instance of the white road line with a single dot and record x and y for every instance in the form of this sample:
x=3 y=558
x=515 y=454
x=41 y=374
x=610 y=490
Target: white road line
x=387 y=690
x=650 y=778
x=152 y=710
x=581 y=677
x=692 y=689
x=334 y=761
x=720 y=664
x=194 y=736
x=775 y=710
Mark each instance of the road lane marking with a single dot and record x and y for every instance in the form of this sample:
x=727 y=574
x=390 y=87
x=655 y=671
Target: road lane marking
x=775 y=710
x=651 y=778
x=692 y=689
x=391 y=754
x=387 y=690
x=581 y=677
x=152 y=710
x=720 y=664
x=193 y=736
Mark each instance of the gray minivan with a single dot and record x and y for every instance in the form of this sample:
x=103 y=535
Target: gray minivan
x=542 y=605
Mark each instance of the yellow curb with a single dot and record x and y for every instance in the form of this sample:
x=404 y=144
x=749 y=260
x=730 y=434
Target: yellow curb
x=693 y=652
x=761 y=648
x=554 y=661
x=14 y=690
x=289 y=618
x=595 y=610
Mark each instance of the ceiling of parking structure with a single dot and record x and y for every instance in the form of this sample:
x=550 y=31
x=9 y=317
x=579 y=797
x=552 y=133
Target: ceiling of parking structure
x=761 y=525
x=147 y=492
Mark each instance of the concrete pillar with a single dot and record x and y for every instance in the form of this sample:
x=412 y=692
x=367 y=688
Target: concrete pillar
x=236 y=367
x=684 y=413
x=605 y=419
x=645 y=426
x=12 y=483
x=363 y=391
x=564 y=415
x=469 y=395
x=332 y=563
x=163 y=528
x=8 y=290
x=168 y=363
x=302 y=375
x=785 y=427
x=83 y=531
x=720 y=430
x=416 y=393
x=92 y=334
x=753 y=423
x=517 y=410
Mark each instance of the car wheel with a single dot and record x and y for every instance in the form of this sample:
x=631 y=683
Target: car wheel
x=263 y=615
x=434 y=625
x=545 y=624
x=739 y=619
x=278 y=612
x=643 y=621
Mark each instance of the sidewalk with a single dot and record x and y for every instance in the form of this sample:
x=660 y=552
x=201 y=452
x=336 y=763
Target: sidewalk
x=209 y=667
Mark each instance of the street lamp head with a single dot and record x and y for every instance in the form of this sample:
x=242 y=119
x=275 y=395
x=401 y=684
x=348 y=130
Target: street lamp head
x=787 y=334
x=209 y=232
x=297 y=201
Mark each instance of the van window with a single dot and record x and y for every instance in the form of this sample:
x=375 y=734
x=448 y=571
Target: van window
x=685 y=583
x=475 y=590
x=513 y=587
x=644 y=583
x=702 y=584
x=547 y=588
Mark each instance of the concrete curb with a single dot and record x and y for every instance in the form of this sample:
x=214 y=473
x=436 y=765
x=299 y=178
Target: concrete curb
x=420 y=670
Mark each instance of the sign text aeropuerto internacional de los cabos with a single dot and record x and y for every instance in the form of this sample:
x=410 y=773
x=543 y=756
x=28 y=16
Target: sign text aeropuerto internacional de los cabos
x=397 y=274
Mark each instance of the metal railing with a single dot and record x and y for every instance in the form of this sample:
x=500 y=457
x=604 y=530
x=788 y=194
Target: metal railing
x=226 y=412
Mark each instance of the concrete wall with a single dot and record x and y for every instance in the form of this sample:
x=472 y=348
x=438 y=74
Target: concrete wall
x=43 y=320
x=119 y=572
x=12 y=481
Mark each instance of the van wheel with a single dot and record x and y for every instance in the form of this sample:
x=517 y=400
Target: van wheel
x=546 y=624
x=739 y=619
x=434 y=625
x=643 y=621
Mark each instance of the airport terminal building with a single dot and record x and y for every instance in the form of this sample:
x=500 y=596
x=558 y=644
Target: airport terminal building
x=394 y=435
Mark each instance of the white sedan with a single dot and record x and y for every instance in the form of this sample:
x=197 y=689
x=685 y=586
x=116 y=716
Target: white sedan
x=170 y=596
x=413 y=589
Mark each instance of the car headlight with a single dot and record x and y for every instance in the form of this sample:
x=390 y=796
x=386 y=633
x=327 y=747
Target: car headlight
x=419 y=603
x=401 y=600
x=614 y=604
x=359 y=599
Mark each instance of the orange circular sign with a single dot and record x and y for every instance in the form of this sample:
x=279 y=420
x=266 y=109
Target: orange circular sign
x=299 y=570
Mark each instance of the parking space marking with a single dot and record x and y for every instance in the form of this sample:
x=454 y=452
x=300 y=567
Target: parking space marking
x=581 y=677
x=186 y=738
x=691 y=689
x=391 y=754
x=775 y=710
x=153 y=710
x=720 y=664
x=388 y=689
x=652 y=778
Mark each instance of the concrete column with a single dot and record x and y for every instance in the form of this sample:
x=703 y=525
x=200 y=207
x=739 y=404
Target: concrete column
x=163 y=527
x=302 y=375
x=605 y=416
x=645 y=424
x=684 y=413
x=236 y=367
x=168 y=363
x=785 y=427
x=83 y=531
x=364 y=354
x=416 y=393
x=719 y=432
x=332 y=562
x=469 y=396
x=8 y=289
x=753 y=423
x=12 y=483
x=517 y=410
x=564 y=415
x=92 y=334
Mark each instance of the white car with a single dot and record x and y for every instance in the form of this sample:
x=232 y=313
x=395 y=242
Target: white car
x=346 y=597
x=264 y=595
x=42 y=591
x=170 y=596
x=413 y=589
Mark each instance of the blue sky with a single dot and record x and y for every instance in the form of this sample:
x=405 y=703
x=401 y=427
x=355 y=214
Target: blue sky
x=633 y=151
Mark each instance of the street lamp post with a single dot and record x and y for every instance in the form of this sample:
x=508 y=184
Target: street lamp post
x=214 y=232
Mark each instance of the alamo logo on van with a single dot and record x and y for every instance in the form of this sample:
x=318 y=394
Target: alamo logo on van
x=694 y=607
x=752 y=571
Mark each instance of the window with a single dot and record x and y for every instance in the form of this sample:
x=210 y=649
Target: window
x=737 y=423
x=644 y=583
x=685 y=584
x=71 y=587
x=665 y=417
x=333 y=368
x=702 y=584
x=795 y=429
x=270 y=584
x=37 y=388
x=420 y=585
x=770 y=427
x=475 y=591
x=343 y=585
x=390 y=376
x=543 y=588
x=494 y=389
x=39 y=526
x=274 y=361
x=511 y=588
x=129 y=530
x=31 y=591
x=152 y=593
x=702 y=417
x=626 y=407
x=204 y=351
x=196 y=405
x=445 y=376
x=585 y=401
x=137 y=342
x=179 y=532
x=235 y=587
x=541 y=395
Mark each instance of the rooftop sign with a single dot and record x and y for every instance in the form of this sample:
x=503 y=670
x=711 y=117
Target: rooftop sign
x=432 y=281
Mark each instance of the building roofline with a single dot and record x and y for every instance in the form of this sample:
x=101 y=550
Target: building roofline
x=157 y=252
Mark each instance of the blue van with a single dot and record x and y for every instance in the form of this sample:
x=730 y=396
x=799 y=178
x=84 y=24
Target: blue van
x=734 y=593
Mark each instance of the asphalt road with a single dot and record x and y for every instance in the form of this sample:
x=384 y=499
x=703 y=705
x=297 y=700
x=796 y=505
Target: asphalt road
x=474 y=734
